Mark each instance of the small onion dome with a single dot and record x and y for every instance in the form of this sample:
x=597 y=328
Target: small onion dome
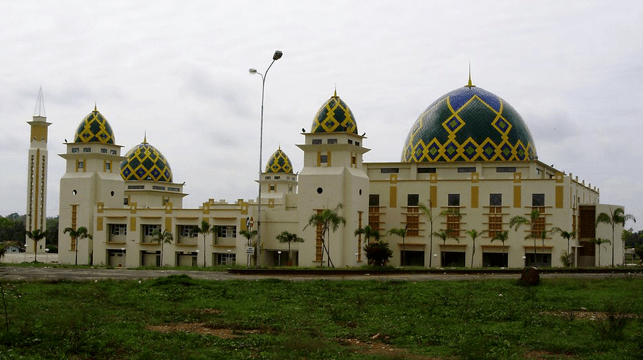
x=469 y=124
x=279 y=163
x=334 y=116
x=145 y=162
x=94 y=128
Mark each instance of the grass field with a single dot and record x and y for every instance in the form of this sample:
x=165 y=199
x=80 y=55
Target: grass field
x=178 y=317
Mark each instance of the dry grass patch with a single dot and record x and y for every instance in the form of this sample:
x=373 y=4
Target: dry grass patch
x=381 y=349
x=200 y=328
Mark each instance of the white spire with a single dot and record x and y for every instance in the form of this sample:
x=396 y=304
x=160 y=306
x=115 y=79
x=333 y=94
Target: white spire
x=40 y=105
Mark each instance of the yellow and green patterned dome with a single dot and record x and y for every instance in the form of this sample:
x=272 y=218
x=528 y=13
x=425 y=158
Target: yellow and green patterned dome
x=279 y=163
x=469 y=124
x=145 y=162
x=334 y=116
x=94 y=128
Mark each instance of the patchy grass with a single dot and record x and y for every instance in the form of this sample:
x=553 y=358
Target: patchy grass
x=177 y=317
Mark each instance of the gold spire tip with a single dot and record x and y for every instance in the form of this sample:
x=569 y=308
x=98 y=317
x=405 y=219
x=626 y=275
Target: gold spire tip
x=470 y=84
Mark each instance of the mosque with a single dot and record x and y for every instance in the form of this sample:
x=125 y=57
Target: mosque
x=469 y=163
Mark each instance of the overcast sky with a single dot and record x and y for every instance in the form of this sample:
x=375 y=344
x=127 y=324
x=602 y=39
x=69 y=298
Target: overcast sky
x=178 y=70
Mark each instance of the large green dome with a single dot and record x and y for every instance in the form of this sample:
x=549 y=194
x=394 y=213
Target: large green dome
x=94 y=128
x=469 y=124
x=334 y=116
x=145 y=162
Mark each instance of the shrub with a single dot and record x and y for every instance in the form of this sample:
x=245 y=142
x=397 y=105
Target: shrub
x=378 y=253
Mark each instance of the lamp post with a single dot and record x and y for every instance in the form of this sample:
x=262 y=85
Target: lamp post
x=279 y=252
x=278 y=54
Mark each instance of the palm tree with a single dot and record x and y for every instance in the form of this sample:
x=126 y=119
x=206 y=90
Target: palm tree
x=502 y=236
x=162 y=238
x=428 y=212
x=599 y=242
x=368 y=233
x=204 y=230
x=618 y=216
x=444 y=235
x=328 y=220
x=288 y=237
x=4 y=246
x=248 y=234
x=566 y=235
x=36 y=235
x=76 y=235
x=474 y=234
x=517 y=221
x=401 y=232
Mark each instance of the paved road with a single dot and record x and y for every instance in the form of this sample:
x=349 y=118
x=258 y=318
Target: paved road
x=38 y=273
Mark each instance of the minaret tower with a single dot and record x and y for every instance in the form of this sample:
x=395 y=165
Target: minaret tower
x=37 y=176
x=333 y=175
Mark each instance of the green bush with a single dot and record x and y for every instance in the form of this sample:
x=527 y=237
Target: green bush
x=378 y=253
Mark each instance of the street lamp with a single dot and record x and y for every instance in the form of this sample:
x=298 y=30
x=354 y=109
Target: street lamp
x=278 y=54
x=46 y=253
x=197 y=258
x=123 y=252
x=279 y=252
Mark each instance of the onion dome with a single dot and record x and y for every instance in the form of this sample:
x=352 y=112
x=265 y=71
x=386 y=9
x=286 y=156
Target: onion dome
x=94 y=129
x=469 y=124
x=145 y=162
x=333 y=117
x=279 y=163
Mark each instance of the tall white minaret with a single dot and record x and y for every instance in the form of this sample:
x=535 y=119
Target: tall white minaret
x=37 y=176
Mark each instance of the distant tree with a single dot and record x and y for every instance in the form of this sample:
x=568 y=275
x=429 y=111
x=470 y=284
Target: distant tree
x=4 y=246
x=639 y=252
x=444 y=235
x=204 y=230
x=288 y=237
x=599 y=242
x=502 y=237
x=378 y=253
x=52 y=231
x=162 y=238
x=36 y=235
x=474 y=234
x=401 y=232
x=76 y=235
x=328 y=220
x=618 y=216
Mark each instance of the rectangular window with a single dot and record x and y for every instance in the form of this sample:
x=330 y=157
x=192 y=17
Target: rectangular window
x=135 y=187
x=272 y=187
x=156 y=187
x=495 y=199
x=389 y=170
x=413 y=221
x=74 y=150
x=453 y=224
x=125 y=201
x=374 y=200
x=103 y=151
x=81 y=164
x=412 y=200
x=538 y=200
x=174 y=189
x=356 y=143
x=468 y=169
x=317 y=141
x=323 y=159
x=118 y=229
x=353 y=160
x=454 y=199
x=495 y=221
x=113 y=152
x=87 y=149
x=350 y=142
x=108 y=166
x=226 y=259
x=277 y=177
x=227 y=231
x=188 y=231
x=506 y=169
x=424 y=170
x=332 y=141
x=148 y=230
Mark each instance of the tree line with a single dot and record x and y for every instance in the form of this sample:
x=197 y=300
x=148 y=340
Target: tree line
x=12 y=229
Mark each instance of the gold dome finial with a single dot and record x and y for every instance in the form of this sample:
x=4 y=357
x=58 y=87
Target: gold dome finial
x=145 y=137
x=95 y=107
x=470 y=84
